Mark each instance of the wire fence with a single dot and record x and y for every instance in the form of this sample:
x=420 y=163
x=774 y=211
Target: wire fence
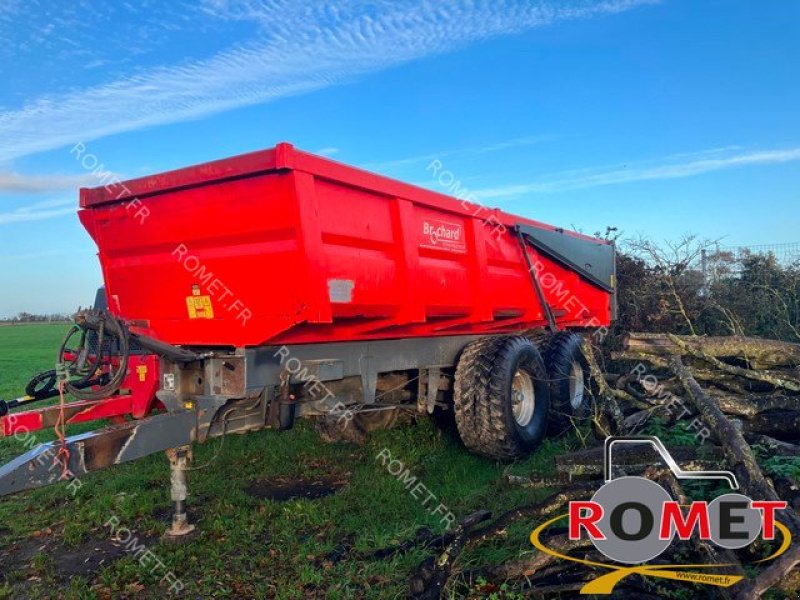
x=721 y=261
x=783 y=253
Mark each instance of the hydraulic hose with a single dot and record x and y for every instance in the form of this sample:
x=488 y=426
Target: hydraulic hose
x=109 y=326
x=83 y=375
x=43 y=385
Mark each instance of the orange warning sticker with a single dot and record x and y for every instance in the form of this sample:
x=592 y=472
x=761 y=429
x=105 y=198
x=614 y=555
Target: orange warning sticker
x=141 y=371
x=199 y=307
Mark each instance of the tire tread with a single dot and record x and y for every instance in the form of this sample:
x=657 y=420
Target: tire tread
x=479 y=399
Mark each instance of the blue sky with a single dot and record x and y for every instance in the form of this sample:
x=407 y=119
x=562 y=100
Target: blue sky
x=658 y=117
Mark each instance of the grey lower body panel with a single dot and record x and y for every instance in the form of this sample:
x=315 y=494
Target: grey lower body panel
x=335 y=361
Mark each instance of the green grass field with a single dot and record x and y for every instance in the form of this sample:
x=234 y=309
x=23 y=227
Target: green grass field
x=25 y=349
x=55 y=544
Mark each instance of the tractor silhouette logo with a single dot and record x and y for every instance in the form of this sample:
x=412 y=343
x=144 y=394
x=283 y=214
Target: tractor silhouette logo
x=633 y=520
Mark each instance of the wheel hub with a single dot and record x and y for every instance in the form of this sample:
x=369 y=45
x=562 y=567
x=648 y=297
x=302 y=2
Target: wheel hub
x=577 y=386
x=523 y=398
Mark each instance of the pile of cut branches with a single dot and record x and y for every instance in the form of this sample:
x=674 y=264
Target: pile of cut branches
x=754 y=383
x=736 y=402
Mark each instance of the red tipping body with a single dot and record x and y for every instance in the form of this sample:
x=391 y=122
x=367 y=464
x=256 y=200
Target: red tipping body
x=284 y=247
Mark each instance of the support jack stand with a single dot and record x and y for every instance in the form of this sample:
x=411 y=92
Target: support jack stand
x=181 y=531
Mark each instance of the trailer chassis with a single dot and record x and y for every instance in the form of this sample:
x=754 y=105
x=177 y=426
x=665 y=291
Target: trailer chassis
x=223 y=393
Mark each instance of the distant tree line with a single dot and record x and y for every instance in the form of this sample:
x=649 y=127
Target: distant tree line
x=25 y=317
x=690 y=287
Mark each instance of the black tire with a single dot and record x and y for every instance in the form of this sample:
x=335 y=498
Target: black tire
x=569 y=375
x=487 y=372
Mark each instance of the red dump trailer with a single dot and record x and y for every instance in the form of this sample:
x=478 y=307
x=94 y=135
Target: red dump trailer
x=280 y=284
x=289 y=248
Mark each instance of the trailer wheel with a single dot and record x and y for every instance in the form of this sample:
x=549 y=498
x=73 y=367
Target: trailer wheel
x=502 y=397
x=568 y=373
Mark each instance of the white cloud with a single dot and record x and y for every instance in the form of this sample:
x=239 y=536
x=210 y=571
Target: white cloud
x=471 y=151
x=40 y=211
x=306 y=46
x=11 y=182
x=696 y=164
x=330 y=151
x=31 y=255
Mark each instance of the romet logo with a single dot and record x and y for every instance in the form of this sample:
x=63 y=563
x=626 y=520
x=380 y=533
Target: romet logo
x=632 y=520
